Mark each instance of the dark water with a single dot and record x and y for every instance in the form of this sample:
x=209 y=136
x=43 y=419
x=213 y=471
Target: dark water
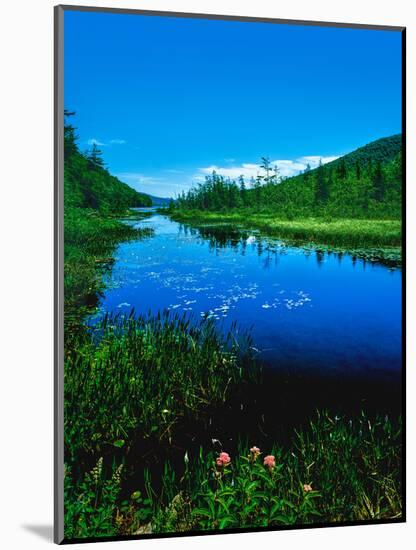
x=308 y=312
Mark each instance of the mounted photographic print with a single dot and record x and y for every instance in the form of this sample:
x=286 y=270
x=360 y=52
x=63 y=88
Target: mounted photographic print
x=230 y=328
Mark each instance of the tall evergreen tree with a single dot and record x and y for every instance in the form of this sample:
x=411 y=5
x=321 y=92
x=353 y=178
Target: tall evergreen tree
x=378 y=183
x=342 y=170
x=70 y=137
x=95 y=156
x=266 y=166
x=321 y=190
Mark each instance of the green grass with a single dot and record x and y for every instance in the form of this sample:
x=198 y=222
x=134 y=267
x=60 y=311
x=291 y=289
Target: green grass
x=337 y=470
x=372 y=239
x=90 y=240
x=138 y=378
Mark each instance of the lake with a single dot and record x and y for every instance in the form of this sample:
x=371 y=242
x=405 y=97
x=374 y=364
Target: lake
x=308 y=312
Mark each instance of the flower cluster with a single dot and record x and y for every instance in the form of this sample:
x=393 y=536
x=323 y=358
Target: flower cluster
x=255 y=452
x=223 y=460
x=269 y=461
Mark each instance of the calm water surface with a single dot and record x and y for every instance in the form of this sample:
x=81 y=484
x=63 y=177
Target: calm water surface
x=307 y=311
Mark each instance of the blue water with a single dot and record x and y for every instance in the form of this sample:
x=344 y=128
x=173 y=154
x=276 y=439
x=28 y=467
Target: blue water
x=307 y=311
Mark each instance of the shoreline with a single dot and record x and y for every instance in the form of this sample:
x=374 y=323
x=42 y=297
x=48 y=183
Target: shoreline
x=372 y=240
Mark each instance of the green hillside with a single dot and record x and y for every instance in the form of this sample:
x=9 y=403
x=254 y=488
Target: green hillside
x=381 y=150
x=366 y=183
x=93 y=201
x=88 y=184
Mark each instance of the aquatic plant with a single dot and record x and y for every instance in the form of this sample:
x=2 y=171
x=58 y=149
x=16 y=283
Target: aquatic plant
x=130 y=378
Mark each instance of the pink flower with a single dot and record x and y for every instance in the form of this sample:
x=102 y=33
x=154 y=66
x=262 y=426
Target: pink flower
x=307 y=488
x=255 y=452
x=219 y=462
x=269 y=461
x=225 y=458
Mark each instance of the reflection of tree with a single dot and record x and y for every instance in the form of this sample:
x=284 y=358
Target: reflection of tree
x=319 y=257
x=238 y=239
x=223 y=236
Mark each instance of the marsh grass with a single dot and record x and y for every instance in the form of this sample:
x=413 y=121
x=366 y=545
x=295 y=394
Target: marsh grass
x=137 y=378
x=365 y=238
x=90 y=240
x=337 y=470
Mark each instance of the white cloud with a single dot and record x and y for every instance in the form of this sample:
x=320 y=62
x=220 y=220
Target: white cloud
x=246 y=169
x=286 y=168
x=93 y=141
x=170 y=182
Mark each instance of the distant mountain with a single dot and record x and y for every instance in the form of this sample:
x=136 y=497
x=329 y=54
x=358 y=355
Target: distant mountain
x=160 y=201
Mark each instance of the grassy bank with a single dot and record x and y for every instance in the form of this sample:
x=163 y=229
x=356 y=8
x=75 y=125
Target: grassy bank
x=90 y=239
x=371 y=239
x=338 y=470
x=131 y=379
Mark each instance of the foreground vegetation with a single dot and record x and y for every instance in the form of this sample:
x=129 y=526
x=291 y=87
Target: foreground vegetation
x=338 y=470
x=135 y=378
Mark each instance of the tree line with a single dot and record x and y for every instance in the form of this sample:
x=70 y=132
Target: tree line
x=352 y=186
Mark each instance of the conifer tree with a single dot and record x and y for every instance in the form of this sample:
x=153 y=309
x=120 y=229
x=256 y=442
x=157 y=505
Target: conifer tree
x=378 y=183
x=321 y=191
x=95 y=156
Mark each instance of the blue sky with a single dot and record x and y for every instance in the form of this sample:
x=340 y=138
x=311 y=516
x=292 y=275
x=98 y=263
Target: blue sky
x=170 y=99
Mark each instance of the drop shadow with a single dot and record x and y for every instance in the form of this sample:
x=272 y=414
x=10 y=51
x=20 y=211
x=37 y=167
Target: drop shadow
x=44 y=532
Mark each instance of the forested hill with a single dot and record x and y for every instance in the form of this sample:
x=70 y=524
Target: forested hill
x=366 y=183
x=382 y=150
x=88 y=184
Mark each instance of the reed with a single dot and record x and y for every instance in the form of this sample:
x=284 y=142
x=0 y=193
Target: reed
x=365 y=238
x=131 y=378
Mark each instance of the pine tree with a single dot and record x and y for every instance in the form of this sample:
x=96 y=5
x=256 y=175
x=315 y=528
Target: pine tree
x=242 y=189
x=321 y=190
x=70 y=137
x=257 y=190
x=342 y=170
x=266 y=166
x=378 y=183
x=95 y=156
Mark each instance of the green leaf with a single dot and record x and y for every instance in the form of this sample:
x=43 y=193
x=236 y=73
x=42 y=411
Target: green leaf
x=224 y=521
